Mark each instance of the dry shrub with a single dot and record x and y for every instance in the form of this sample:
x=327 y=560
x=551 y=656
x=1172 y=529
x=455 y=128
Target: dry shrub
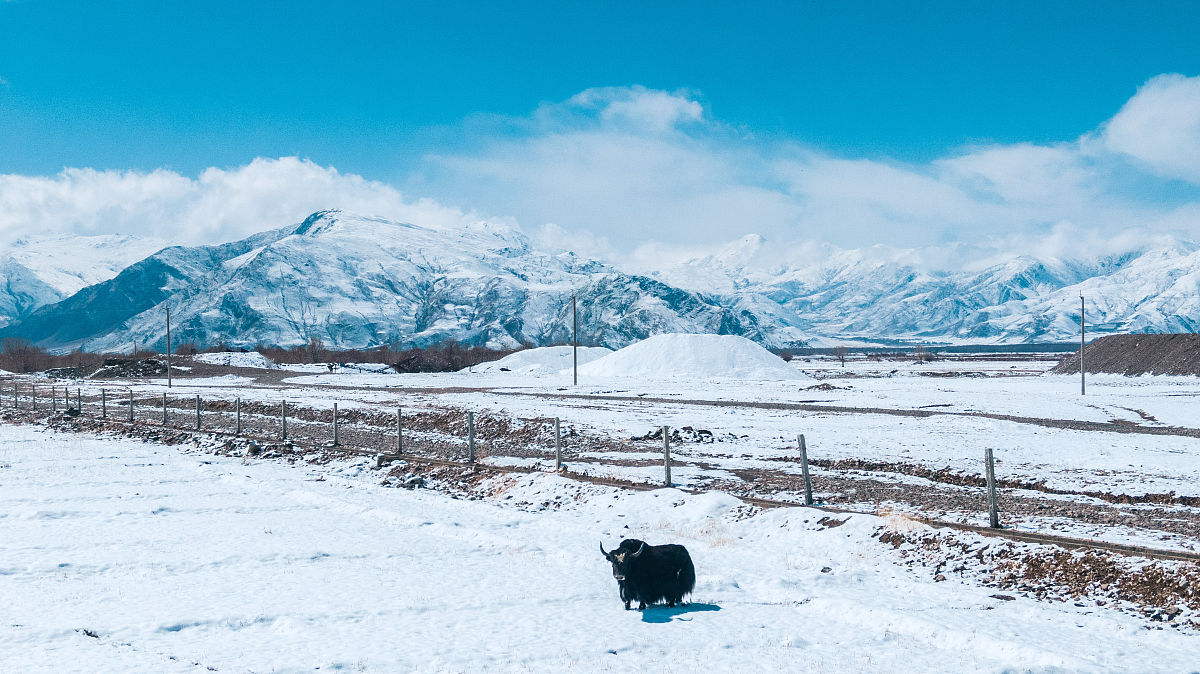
x=898 y=522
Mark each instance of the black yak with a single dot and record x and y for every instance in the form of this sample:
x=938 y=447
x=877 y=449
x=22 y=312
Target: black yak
x=651 y=573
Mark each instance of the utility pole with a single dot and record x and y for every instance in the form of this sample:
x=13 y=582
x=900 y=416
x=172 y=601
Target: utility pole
x=574 y=343
x=168 y=348
x=1082 y=343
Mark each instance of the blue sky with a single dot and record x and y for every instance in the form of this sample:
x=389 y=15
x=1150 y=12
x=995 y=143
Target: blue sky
x=437 y=99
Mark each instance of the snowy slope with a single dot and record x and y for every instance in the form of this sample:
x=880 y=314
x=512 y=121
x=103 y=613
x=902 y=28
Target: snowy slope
x=542 y=360
x=37 y=271
x=355 y=281
x=879 y=294
x=124 y=556
x=693 y=356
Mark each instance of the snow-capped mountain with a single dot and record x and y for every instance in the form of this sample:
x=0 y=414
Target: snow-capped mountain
x=42 y=270
x=354 y=281
x=879 y=296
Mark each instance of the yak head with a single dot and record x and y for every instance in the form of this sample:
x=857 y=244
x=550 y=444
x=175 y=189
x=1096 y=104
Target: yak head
x=622 y=560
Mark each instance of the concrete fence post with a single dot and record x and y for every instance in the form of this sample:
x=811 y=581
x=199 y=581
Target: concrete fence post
x=557 y=446
x=131 y=406
x=53 y=399
x=399 y=434
x=197 y=412
x=164 y=422
x=33 y=394
x=283 y=419
x=993 y=503
x=666 y=456
x=79 y=399
x=103 y=405
x=335 y=425
x=237 y=412
x=808 y=499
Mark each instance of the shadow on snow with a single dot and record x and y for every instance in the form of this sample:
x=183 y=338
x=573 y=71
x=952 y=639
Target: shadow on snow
x=665 y=614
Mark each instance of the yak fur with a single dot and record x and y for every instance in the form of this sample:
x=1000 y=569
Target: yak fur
x=649 y=574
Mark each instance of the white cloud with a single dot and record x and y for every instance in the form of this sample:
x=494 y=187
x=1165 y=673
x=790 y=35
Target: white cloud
x=639 y=108
x=639 y=166
x=1160 y=127
x=218 y=205
x=638 y=175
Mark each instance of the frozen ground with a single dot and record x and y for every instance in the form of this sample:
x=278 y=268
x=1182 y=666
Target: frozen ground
x=123 y=556
x=906 y=417
x=235 y=359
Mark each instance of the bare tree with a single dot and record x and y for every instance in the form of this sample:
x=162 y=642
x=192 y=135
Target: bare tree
x=316 y=349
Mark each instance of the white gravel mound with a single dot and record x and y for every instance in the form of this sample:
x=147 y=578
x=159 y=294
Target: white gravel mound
x=235 y=359
x=693 y=357
x=542 y=360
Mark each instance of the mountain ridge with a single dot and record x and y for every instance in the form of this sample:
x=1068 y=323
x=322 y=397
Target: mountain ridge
x=357 y=281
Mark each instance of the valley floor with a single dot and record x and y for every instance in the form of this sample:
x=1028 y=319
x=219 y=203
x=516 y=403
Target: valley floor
x=120 y=555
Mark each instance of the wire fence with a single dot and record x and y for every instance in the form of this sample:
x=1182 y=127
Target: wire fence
x=449 y=435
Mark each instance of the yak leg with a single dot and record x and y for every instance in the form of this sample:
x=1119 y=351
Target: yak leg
x=641 y=606
x=626 y=604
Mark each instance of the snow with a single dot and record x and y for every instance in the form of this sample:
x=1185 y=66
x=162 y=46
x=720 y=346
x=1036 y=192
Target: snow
x=695 y=356
x=69 y=263
x=340 y=369
x=541 y=360
x=183 y=562
x=235 y=359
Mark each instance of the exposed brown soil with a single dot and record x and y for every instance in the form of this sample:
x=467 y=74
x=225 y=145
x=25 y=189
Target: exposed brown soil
x=869 y=494
x=1161 y=591
x=1177 y=354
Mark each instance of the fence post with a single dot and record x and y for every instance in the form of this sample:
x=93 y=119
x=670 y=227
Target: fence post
x=131 y=406
x=557 y=446
x=808 y=500
x=103 y=405
x=471 y=437
x=666 y=456
x=79 y=399
x=237 y=410
x=33 y=394
x=399 y=434
x=14 y=394
x=335 y=425
x=283 y=419
x=53 y=399
x=164 y=408
x=197 y=412
x=993 y=504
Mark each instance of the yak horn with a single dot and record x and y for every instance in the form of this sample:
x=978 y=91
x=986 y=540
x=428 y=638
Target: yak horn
x=640 y=550
x=602 y=549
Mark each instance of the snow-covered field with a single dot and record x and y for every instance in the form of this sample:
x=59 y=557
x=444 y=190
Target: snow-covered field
x=954 y=437
x=124 y=556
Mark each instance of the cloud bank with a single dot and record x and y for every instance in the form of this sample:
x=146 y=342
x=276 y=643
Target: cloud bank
x=648 y=176
x=635 y=165
x=218 y=205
